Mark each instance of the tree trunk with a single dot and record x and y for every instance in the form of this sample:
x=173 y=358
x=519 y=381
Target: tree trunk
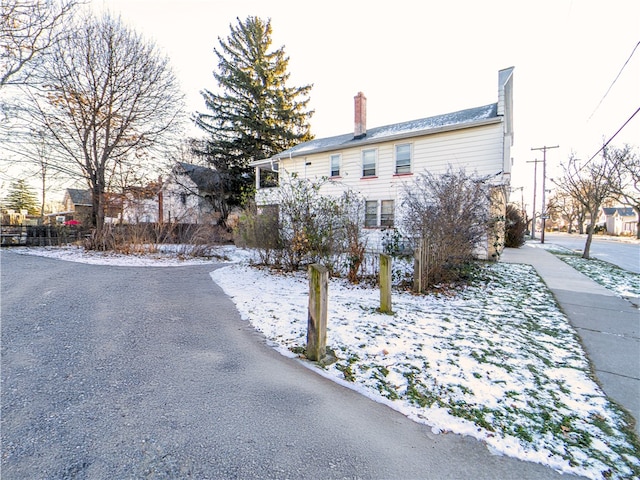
x=587 y=245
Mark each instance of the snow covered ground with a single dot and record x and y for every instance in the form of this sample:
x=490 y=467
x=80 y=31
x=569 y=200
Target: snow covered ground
x=622 y=282
x=497 y=360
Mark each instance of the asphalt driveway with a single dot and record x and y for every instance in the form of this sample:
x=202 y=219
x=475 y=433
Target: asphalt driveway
x=143 y=372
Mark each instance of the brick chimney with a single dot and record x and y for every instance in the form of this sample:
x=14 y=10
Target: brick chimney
x=360 y=129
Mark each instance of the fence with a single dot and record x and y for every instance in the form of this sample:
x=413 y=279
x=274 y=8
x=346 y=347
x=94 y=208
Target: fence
x=39 y=235
x=56 y=235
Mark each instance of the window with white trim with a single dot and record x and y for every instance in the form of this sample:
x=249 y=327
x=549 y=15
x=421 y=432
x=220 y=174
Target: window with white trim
x=379 y=213
x=371 y=213
x=403 y=158
x=369 y=160
x=386 y=213
x=334 y=161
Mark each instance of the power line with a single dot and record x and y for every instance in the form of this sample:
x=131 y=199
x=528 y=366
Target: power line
x=614 y=81
x=613 y=136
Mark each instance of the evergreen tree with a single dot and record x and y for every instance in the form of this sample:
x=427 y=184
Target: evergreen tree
x=21 y=197
x=255 y=115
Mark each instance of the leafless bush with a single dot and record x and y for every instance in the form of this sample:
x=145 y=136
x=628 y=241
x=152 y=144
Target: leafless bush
x=306 y=227
x=447 y=217
x=516 y=227
x=193 y=239
x=257 y=228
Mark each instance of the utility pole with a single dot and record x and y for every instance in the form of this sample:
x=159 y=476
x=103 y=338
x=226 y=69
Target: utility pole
x=533 y=214
x=544 y=180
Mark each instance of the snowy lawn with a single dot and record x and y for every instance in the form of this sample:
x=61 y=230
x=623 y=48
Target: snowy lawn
x=619 y=281
x=497 y=360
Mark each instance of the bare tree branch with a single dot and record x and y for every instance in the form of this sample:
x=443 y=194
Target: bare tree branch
x=28 y=28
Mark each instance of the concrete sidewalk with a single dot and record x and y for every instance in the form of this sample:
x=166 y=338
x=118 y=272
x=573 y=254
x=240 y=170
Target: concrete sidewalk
x=608 y=325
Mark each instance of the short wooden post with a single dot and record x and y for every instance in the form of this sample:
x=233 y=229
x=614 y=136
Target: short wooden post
x=385 y=283
x=317 y=320
x=417 y=269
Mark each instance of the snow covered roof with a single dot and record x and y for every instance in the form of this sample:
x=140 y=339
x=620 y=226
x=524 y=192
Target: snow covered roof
x=413 y=128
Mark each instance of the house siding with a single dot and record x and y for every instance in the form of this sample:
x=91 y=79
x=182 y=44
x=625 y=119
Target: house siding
x=478 y=150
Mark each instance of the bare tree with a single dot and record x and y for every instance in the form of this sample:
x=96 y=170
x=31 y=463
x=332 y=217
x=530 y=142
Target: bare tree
x=590 y=185
x=108 y=99
x=626 y=181
x=563 y=205
x=28 y=28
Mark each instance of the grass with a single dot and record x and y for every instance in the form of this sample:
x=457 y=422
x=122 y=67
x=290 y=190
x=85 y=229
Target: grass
x=612 y=277
x=496 y=360
x=521 y=349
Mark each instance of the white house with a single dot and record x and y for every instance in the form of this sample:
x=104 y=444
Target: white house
x=620 y=220
x=378 y=162
x=189 y=194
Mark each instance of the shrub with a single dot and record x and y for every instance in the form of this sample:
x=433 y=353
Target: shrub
x=447 y=216
x=515 y=228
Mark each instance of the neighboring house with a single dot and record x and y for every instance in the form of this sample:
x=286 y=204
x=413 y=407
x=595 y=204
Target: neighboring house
x=77 y=205
x=141 y=204
x=620 y=220
x=379 y=162
x=190 y=193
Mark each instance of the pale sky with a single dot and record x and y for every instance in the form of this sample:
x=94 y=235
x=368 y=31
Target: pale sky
x=416 y=59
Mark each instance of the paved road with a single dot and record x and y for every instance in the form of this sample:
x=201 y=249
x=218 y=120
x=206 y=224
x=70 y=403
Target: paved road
x=625 y=255
x=122 y=372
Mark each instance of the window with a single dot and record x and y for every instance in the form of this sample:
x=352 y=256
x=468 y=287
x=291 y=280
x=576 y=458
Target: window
x=335 y=165
x=371 y=219
x=403 y=158
x=371 y=213
x=386 y=213
x=369 y=162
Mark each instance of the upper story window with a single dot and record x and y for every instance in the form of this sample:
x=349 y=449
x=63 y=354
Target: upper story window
x=403 y=158
x=369 y=158
x=335 y=165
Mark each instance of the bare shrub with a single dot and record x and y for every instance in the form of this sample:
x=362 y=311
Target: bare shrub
x=515 y=228
x=136 y=238
x=447 y=217
x=257 y=228
x=304 y=227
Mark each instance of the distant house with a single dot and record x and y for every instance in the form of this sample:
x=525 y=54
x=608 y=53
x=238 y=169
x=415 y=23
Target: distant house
x=379 y=162
x=142 y=204
x=620 y=220
x=190 y=194
x=77 y=205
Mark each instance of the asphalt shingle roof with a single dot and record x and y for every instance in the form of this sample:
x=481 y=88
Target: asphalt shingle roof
x=206 y=179
x=80 y=197
x=413 y=127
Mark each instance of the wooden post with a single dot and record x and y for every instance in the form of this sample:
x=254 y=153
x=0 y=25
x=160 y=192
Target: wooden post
x=417 y=269
x=385 y=283
x=317 y=320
